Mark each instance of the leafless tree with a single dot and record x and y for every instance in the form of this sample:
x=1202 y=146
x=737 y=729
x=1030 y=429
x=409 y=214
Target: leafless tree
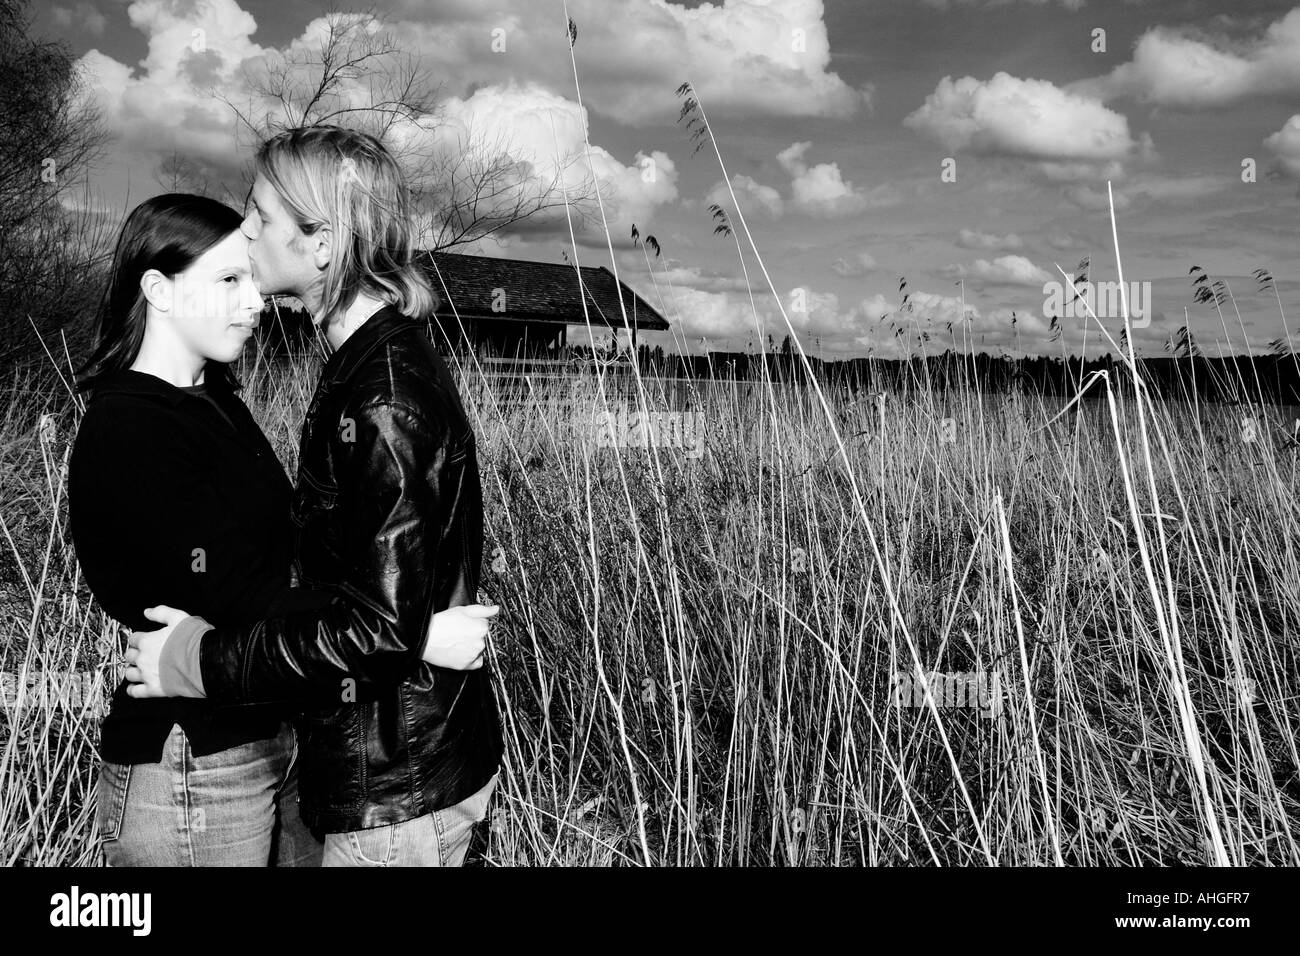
x=51 y=237
x=358 y=75
x=182 y=173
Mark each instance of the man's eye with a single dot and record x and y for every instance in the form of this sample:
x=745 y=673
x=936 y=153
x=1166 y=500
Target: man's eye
x=230 y=278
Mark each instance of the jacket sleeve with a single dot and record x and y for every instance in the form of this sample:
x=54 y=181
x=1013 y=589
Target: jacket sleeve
x=391 y=513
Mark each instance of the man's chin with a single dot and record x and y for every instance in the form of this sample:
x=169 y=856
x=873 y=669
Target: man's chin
x=267 y=287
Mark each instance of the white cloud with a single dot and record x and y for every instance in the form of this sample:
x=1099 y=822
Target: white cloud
x=822 y=191
x=874 y=308
x=816 y=313
x=677 y=276
x=202 y=52
x=1151 y=187
x=859 y=265
x=990 y=4
x=166 y=105
x=746 y=58
x=932 y=314
x=1096 y=200
x=1180 y=67
x=1028 y=324
x=711 y=315
x=754 y=197
x=974 y=239
x=727 y=318
x=1285 y=144
x=1004 y=270
x=545 y=131
x=929 y=308
x=1070 y=134
x=1072 y=172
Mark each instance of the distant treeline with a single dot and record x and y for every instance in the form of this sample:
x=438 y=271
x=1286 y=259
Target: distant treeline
x=1271 y=378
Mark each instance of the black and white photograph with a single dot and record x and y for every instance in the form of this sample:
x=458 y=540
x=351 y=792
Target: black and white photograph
x=646 y=434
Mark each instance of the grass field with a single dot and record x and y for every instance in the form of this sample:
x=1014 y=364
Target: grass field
x=722 y=654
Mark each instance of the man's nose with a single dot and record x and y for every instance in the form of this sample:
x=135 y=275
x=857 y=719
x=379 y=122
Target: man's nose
x=252 y=296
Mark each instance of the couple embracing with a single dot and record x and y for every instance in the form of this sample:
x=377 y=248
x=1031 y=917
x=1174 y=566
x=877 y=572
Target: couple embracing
x=316 y=695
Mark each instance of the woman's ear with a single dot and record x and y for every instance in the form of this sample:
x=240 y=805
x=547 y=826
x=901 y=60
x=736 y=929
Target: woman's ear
x=157 y=289
x=321 y=240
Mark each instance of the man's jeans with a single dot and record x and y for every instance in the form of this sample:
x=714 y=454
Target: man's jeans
x=238 y=807
x=440 y=838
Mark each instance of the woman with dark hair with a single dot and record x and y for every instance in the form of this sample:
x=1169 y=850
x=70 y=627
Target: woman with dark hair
x=173 y=489
x=176 y=497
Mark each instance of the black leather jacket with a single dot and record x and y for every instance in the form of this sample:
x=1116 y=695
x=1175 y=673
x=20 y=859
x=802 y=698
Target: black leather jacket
x=388 y=521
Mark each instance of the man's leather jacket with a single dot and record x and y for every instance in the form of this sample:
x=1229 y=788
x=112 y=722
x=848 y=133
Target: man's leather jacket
x=388 y=523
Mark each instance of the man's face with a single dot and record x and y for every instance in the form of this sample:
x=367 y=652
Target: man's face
x=282 y=257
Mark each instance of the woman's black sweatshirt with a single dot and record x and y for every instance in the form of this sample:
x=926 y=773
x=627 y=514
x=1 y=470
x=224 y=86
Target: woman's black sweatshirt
x=176 y=497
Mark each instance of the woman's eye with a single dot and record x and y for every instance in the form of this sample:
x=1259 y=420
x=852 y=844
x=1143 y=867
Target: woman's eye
x=230 y=278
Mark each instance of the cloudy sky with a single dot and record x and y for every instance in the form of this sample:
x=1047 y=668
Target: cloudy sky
x=965 y=145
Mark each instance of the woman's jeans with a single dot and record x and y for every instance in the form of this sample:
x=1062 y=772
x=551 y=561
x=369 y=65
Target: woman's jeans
x=238 y=807
x=440 y=838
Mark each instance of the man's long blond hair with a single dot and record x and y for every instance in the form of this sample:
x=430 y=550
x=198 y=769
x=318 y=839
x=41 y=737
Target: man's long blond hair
x=348 y=181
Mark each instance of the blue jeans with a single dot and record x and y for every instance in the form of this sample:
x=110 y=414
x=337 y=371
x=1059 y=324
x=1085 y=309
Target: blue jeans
x=440 y=838
x=238 y=807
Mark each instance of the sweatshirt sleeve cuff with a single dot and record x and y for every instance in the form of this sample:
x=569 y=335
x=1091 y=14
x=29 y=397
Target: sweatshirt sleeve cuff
x=179 y=672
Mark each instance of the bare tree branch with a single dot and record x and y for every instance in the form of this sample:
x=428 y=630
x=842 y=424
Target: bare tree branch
x=358 y=75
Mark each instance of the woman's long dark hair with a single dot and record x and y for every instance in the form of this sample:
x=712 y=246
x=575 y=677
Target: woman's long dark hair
x=166 y=233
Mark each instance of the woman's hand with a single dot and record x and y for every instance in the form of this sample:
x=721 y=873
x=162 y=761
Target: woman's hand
x=144 y=648
x=457 y=636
